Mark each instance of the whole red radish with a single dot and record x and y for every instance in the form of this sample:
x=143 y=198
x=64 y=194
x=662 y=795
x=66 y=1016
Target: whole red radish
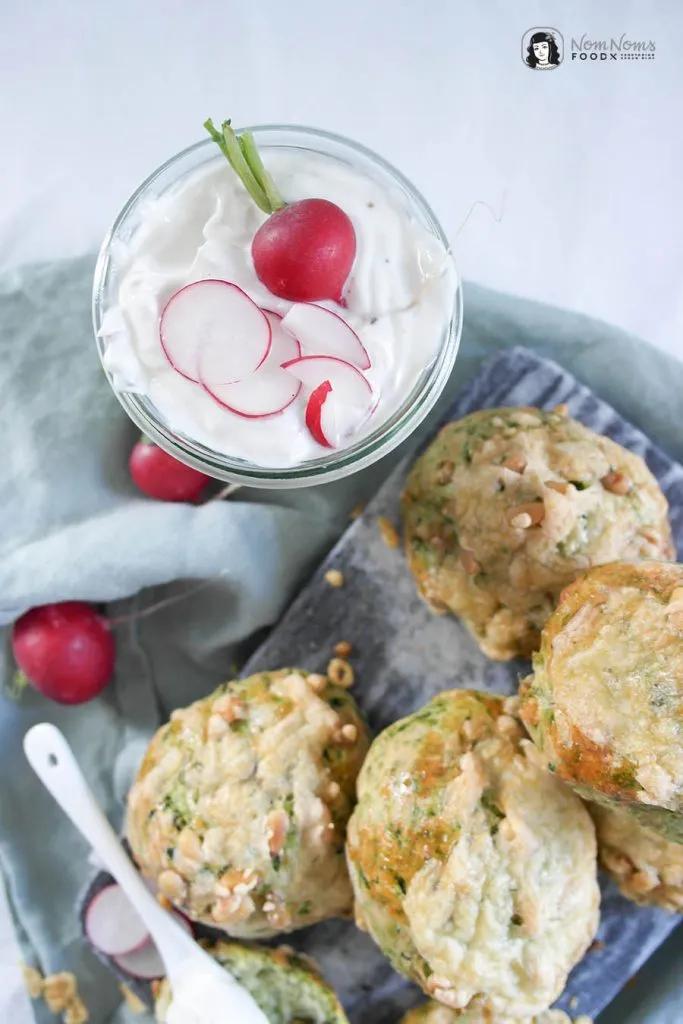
x=304 y=252
x=160 y=476
x=65 y=650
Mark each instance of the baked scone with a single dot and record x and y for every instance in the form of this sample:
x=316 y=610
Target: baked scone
x=507 y=506
x=473 y=868
x=286 y=985
x=647 y=867
x=605 y=701
x=435 y=1013
x=239 y=809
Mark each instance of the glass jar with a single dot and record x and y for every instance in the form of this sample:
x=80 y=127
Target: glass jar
x=333 y=464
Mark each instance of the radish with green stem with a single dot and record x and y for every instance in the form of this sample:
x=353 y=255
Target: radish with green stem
x=305 y=250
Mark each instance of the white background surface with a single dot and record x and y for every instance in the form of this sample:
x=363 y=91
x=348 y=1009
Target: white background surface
x=582 y=165
x=584 y=162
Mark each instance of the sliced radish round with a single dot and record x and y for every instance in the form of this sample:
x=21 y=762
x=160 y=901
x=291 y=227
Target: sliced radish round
x=144 y=964
x=271 y=389
x=341 y=397
x=217 y=320
x=112 y=923
x=324 y=333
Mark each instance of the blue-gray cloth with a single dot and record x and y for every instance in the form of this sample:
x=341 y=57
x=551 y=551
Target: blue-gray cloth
x=73 y=526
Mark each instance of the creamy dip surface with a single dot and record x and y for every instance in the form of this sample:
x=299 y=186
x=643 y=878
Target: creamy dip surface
x=399 y=296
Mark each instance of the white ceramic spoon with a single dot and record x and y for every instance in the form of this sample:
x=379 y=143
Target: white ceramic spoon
x=202 y=990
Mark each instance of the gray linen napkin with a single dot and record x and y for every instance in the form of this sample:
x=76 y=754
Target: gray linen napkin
x=73 y=526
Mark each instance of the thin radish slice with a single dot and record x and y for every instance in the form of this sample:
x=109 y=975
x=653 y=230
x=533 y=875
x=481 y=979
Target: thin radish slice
x=271 y=389
x=324 y=333
x=340 y=400
x=112 y=923
x=144 y=964
x=287 y=342
x=217 y=320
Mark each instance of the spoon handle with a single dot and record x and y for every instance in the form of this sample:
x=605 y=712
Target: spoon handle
x=53 y=761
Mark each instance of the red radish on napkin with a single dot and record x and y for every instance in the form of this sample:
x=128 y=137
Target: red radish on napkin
x=161 y=476
x=65 y=650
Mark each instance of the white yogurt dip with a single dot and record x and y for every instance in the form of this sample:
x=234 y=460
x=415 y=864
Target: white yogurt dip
x=399 y=296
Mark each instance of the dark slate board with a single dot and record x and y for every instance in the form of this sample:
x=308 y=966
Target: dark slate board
x=404 y=654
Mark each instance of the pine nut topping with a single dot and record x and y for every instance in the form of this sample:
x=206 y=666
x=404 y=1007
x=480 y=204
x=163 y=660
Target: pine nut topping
x=616 y=483
x=469 y=562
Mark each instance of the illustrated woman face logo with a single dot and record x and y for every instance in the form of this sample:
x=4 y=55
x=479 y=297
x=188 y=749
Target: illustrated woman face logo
x=542 y=52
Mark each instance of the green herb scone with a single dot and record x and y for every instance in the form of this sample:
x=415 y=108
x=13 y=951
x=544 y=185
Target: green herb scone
x=647 y=867
x=435 y=1013
x=507 y=506
x=605 y=701
x=286 y=985
x=240 y=807
x=473 y=868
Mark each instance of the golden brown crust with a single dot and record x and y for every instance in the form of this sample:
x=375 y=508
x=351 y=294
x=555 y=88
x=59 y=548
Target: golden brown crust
x=240 y=807
x=506 y=506
x=605 y=701
x=647 y=867
x=469 y=860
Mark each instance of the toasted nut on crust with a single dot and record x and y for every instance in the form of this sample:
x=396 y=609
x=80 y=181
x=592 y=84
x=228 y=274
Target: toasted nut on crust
x=171 y=884
x=436 y=981
x=560 y=486
x=616 y=483
x=316 y=681
x=340 y=672
x=516 y=463
x=347 y=734
x=332 y=790
x=469 y=562
x=562 y=409
x=334 y=577
x=276 y=911
x=277 y=824
x=444 y=472
x=531 y=513
x=228 y=707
